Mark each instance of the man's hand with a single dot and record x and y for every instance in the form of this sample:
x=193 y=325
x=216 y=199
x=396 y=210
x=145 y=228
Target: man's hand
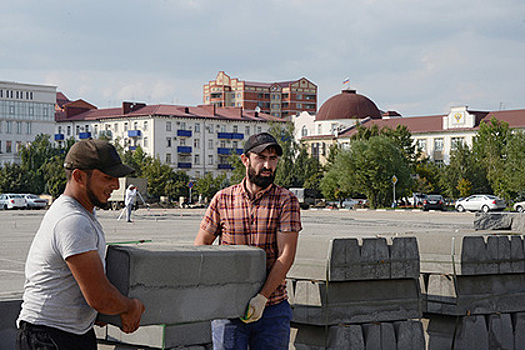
x=255 y=309
x=131 y=319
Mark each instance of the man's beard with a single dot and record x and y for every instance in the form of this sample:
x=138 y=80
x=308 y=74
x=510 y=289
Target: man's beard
x=93 y=199
x=259 y=180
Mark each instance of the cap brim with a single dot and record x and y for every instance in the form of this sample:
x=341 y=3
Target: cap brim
x=260 y=148
x=120 y=170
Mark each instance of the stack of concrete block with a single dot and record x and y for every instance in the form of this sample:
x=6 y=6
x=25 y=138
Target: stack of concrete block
x=355 y=293
x=182 y=288
x=9 y=309
x=469 y=282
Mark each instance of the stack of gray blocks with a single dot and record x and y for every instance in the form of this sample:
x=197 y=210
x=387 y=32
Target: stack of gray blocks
x=350 y=293
x=182 y=288
x=473 y=290
x=9 y=311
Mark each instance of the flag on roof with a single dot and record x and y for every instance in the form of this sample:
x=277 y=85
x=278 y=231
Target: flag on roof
x=346 y=81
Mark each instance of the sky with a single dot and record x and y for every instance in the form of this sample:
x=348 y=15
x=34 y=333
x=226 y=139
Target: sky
x=416 y=57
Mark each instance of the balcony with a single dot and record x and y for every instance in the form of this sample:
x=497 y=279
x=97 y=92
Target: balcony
x=227 y=151
x=224 y=167
x=184 y=133
x=84 y=135
x=133 y=133
x=184 y=149
x=59 y=137
x=132 y=148
x=230 y=136
x=184 y=165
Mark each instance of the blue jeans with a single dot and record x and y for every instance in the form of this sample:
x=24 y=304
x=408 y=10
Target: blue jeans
x=271 y=332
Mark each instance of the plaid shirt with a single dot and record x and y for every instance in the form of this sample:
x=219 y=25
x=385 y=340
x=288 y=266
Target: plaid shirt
x=239 y=220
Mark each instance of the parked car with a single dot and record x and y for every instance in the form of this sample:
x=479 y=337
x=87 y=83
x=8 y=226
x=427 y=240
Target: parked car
x=34 y=202
x=434 y=201
x=350 y=203
x=480 y=202
x=12 y=201
x=416 y=199
x=519 y=207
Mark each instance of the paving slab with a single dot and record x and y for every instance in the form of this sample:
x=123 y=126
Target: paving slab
x=351 y=258
x=321 y=303
x=182 y=284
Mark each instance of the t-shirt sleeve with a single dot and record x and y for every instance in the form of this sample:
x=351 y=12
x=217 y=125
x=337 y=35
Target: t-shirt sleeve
x=74 y=235
x=290 y=214
x=212 y=218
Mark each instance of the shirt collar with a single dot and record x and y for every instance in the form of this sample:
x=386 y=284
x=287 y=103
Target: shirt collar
x=259 y=194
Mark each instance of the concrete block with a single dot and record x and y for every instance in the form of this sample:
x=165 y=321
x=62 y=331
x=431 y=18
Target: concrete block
x=164 y=336
x=476 y=295
x=340 y=337
x=439 y=331
x=409 y=335
x=379 y=336
x=518 y=324
x=472 y=255
x=500 y=332
x=101 y=332
x=9 y=309
x=472 y=333
x=346 y=259
x=181 y=284
x=493 y=221
x=518 y=223
x=321 y=303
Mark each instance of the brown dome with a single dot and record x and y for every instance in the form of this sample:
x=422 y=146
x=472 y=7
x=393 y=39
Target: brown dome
x=348 y=105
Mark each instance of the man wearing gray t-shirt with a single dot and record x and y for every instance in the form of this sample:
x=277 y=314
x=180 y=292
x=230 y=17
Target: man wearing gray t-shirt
x=65 y=283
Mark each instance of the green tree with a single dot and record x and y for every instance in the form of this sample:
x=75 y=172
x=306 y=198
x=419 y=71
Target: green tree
x=12 y=178
x=367 y=168
x=515 y=165
x=55 y=176
x=208 y=185
x=163 y=181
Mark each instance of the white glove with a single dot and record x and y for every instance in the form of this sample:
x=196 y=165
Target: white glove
x=255 y=309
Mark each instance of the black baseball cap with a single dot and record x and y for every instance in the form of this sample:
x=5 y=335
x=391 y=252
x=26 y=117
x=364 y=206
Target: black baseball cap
x=96 y=154
x=259 y=142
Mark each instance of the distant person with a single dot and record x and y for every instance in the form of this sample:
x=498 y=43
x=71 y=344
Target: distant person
x=258 y=213
x=129 y=201
x=65 y=282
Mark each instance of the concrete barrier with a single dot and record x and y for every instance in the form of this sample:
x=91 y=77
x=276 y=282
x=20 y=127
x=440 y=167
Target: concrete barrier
x=9 y=311
x=182 y=284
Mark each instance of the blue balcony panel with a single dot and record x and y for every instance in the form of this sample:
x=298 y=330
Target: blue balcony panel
x=225 y=135
x=184 y=149
x=184 y=165
x=59 y=137
x=237 y=136
x=239 y=151
x=132 y=148
x=225 y=167
x=184 y=133
x=224 y=151
x=133 y=133
x=84 y=135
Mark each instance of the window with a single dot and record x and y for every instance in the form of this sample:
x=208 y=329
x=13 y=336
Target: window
x=422 y=145
x=210 y=144
x=8 y=127
x=135 y=126
x=31 y=110
x=197 y=127
x=259 y=129
x=168 y=141
x=247 y=130
x=108 y=126
x=223 y=128
x=77 y=129
x=45 y=111
x=168 y=158
x=86 y=128
x=168 y=126
x=455 y=142
x=28 y=128
x=197 y=159
x=0 y=126
x=197 y=143
x=182 y=126
x=0 y=144
x=319 y=129
x=69 y=130
x=299 y=97
x=299 y=105
x=210 y=129
x=126 y=126
x=145 y=125
x=18 y=146
x=333 y=128
x=116 y=127
x=8 y=146
x=223 y=144
x=145 y=142
x=235 y=129
x=438 y=145
x=210 y=159
x=11 y=109
x=182 y=142
x=95 y=130
x=235 y=144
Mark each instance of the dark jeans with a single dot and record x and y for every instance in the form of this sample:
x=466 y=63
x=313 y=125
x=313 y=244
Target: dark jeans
x=271 y=332
x=35 y=337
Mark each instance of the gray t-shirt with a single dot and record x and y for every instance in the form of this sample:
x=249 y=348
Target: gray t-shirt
x=52 y=296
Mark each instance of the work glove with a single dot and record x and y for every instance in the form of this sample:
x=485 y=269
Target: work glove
x=255 y=309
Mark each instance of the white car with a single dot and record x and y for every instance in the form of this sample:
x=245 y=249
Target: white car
x=480 y=202
x=12 y=201
x=519 y=207
x=34 y=202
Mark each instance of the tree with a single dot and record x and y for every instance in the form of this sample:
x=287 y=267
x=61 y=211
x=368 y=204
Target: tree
x=367 y=168
x=12 y=178
x=208 y=185
x=515 y=165
x=163 y=181
x=55 y=176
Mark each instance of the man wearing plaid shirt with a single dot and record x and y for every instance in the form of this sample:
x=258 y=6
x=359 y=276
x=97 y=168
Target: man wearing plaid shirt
x=258 y=213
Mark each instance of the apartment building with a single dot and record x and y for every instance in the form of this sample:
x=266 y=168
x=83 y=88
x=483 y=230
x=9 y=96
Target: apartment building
x=281 y=99
x=26 y=110
x=195 y=139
